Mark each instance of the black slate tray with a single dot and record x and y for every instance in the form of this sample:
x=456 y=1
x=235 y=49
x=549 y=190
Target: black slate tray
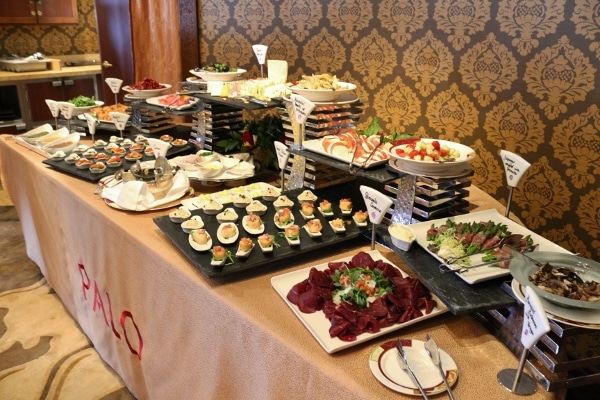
x=71 y=169
x=460 y=297
x=284 y=252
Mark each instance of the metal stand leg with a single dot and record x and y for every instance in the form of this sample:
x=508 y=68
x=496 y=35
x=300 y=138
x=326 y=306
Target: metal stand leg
x=517 y=382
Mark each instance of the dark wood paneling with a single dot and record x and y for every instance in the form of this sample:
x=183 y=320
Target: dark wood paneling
x=189 y=32
x=113 y=18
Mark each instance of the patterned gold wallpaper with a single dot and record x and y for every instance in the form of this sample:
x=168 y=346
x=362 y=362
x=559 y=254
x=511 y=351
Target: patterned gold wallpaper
x=492 y=74
x=53 y=40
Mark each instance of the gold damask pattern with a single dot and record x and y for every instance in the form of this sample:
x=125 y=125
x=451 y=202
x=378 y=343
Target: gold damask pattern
x=513 y=124
x=529 y=21
x=212 y=17
x=546 y=196
x=349 y=17
x=488 y=67
x=398 y=105
x=402 y=18
x=459 y=20
x=53 y=40
x=374 y=57
x=576 y=143
x=559 y=75
x=452 y=114
x=587 y=23
x=300 y=17
x=427 y=61
x=507 y=74
x=321 y=51
x=253 y=16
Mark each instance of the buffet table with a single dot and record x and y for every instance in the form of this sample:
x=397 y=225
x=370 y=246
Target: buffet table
x=172 y=333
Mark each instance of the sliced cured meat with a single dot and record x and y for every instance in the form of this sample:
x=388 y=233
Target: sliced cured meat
x=348 y=320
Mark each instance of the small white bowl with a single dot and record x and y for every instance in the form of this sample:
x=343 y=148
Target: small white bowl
x=210 y=169
x=97 y=167
x=81 y=110
x=193 y=223
x=231 y=239
x=83 y=163
x=200 y=246
x=227 y=215
x=256 y=207
x=72 y=158
x=324 y=95
x=271 y=193
x=180 y=215
x=145 y=94
x=218 y=76
x=213 y=207
x=283 y=202
x=58 y=155
x=403 y=236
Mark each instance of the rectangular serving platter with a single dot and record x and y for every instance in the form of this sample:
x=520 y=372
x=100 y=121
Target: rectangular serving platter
x=315 y=146
x=484 y=273
x=71 y=169
x=257 y=259
x=318 y=325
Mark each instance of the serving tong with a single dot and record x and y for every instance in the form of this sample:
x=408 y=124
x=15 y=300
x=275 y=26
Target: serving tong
x=510 y=240
x=109 y=181
x=432 y=349
x=445 y=268
x=405 y=366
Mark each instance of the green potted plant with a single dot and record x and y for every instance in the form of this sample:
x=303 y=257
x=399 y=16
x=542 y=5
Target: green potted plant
x=258 y=137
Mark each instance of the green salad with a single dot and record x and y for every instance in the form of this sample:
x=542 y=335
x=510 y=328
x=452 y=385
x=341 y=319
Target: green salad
x=83 y=101
x=359 y=286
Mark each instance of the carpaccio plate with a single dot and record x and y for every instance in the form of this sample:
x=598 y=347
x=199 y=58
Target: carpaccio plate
x=318 y=325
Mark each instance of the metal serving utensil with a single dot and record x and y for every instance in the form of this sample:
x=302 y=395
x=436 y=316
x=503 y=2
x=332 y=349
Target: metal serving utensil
x=433 y=350
x=445 y=268
x=510 y=240
x=404 y=365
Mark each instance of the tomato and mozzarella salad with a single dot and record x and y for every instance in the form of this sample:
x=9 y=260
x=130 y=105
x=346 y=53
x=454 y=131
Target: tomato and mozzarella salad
x=426 y=150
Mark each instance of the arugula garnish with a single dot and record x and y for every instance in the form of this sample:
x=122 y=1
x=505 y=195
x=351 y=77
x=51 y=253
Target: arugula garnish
x=357 y=285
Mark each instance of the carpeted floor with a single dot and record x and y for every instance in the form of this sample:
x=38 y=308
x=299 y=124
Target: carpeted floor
x=43 y=352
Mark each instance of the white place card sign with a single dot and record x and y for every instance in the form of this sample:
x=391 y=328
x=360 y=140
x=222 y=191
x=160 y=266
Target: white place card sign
x=66 y=109
x=114 y=84
x=377 y=203
x=53 y=106
x=260 y=50
x=282 y=154
x=91 y=122
x=535 y=320
x=514 y=167
x=119 y=119
x=302 y=107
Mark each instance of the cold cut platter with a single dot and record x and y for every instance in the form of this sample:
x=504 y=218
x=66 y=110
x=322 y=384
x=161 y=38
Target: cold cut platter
x=320 y=326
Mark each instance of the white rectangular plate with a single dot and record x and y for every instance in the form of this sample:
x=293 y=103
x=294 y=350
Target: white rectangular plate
x=225 y=196
x=484 y=273
x=315 y=146
x=318 y=325
x=156 y=101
